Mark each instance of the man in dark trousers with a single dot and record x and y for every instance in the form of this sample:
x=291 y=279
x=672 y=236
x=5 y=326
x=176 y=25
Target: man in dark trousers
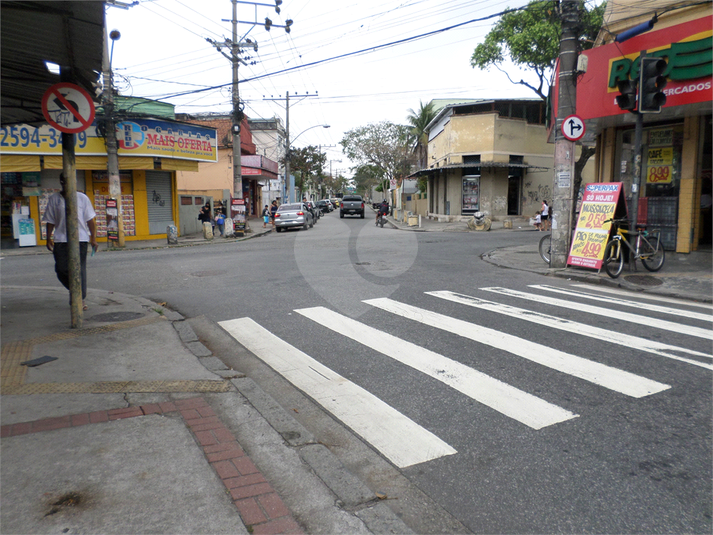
x=54 y=217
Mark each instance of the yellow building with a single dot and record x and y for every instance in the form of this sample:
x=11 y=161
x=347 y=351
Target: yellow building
x=675 y=183
x=490 y=156
x=150 y=152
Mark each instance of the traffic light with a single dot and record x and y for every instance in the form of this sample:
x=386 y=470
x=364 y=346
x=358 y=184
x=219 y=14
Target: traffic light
x=288 y=23
x=627 y=99
x=651 y=95
x=278 y=3
x=268 y=24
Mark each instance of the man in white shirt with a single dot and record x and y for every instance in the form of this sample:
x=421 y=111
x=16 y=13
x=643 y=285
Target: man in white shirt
x=54 y=217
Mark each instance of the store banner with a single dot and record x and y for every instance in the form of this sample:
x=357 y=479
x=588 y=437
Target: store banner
x=687 y=49
x=599 y=204
x=140 y=137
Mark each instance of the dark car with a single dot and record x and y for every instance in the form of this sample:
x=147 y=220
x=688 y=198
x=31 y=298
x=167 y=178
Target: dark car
x=325 y=206
x=312 y=207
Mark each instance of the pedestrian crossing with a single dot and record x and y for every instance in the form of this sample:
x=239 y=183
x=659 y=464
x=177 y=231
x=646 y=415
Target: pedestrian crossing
x=402 y=439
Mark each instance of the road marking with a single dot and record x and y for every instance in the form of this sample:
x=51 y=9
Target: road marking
x=508 y=400
x=594 y=372
x=609 y=313
x=623 y=302
x=397 y=437
x=640 y=295
x=606 y=335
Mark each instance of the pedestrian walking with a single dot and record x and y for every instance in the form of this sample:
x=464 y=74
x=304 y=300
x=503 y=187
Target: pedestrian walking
x=57 y=239
x=265 y=216
x=545 y=215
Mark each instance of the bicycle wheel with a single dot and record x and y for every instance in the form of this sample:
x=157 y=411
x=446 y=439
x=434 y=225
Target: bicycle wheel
x=613 y=259
x=652 y=253
x=546 y=248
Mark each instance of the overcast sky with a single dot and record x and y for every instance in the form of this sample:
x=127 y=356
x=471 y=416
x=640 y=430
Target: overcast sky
x=163 y=54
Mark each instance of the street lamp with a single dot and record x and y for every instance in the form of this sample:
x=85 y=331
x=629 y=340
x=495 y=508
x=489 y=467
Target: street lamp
x=287 y=156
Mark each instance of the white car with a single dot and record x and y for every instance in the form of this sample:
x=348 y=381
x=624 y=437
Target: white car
x=293 y=216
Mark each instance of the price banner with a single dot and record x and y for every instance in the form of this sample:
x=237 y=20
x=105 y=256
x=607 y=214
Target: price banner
x=659 y=165
x=599 y=204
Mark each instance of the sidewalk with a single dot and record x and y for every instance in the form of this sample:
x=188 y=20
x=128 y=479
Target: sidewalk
x=134 y=426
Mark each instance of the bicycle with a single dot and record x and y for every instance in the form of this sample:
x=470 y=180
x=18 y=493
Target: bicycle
x=545 y=248
x=648 y=249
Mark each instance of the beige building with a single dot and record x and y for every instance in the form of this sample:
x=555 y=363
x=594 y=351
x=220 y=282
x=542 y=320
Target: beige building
x=488 y=156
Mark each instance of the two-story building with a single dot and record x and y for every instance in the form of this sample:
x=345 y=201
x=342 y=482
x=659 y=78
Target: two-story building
x=490 y=156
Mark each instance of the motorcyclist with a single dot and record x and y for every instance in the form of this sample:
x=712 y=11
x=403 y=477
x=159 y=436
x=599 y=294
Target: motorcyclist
x=383 y=209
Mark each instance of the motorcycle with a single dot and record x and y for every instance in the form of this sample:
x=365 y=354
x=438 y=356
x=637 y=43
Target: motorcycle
x=480 y=221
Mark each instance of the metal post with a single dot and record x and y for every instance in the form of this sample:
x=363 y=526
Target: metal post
x=561 y=216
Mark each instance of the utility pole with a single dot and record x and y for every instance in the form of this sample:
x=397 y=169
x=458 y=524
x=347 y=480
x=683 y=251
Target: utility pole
x=112 y=148
x=237 y=112
x=564 y=160
x=288 y=178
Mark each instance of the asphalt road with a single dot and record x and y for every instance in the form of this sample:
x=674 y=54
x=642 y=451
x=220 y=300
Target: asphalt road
x=505 y=425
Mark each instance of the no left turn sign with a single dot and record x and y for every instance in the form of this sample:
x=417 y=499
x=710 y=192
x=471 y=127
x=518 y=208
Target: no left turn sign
x=68 y=108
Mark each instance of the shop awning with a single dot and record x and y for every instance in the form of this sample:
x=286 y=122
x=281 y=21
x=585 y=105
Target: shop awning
x=19 y=163
x=482 y=165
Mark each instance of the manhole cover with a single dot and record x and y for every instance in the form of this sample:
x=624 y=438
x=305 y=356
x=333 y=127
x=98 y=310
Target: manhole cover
x=643 y=280
x=117 y=316
x=209 y=273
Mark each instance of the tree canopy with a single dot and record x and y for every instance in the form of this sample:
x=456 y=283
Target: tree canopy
x=530 y=38
x=384 y=146
x=307 y=164
x=419 y=120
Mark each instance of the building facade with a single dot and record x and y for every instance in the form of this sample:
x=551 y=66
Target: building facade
x=151 y=151
x=488 y=156
x=269 y=139
x=675 y=183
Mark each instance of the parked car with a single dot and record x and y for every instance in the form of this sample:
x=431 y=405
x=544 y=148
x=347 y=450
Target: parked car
x=324 y=206
x=316 y=212
x=292 y=216
x=335 y=202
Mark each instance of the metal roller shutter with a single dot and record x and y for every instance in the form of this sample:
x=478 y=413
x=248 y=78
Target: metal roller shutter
x=160 y=201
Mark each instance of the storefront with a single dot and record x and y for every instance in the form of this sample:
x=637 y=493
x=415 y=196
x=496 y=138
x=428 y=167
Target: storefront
x=150 y=152
x=675 y=183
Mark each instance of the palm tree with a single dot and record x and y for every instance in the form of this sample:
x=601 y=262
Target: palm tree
x=419 y=120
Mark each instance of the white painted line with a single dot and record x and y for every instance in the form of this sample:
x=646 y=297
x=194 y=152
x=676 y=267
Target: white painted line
x=508 y=400
x=641 y=295
x=594 y=372
x=607 y=312
x=397 y=437
x=623 y=302
x=606 y=335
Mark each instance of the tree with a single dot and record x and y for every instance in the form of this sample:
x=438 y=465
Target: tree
x=419 y=120
x=530 y=38
x=366 y=177
x=384 y=146
x=307 y=164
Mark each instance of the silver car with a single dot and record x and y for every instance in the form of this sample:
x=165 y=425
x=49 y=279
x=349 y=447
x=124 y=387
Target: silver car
x=293 y=215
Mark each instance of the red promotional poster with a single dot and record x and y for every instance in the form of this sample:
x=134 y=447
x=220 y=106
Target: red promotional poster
x=599 y=205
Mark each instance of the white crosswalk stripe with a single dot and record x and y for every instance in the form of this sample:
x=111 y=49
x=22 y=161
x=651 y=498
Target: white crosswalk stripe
x=624 y=302
x=397 y=437
x=633 y=342
x=403 y=440
x=648 y=297
x=594 y=372
x=521 y=406
x=610 y=313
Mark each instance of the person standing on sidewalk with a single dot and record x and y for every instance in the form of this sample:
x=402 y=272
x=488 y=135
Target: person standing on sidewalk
x=545 y=215
x=55 y=219
x=273 y=211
